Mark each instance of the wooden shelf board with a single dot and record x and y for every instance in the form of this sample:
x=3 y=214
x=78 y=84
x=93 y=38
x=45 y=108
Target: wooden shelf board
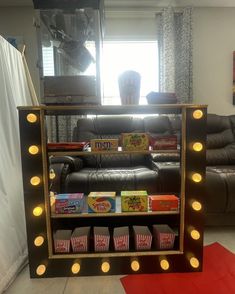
x=111 y=214
x=83 y=153
x=114 y=254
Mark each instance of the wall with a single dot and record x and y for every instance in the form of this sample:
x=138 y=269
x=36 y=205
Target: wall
x=130 y=25
x=214 y=43
x=18 y=21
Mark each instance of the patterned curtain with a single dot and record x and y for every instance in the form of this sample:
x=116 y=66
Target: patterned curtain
x=60 y=128
x=175 y=51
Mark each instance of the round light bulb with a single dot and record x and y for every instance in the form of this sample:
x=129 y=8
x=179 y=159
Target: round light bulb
x=35 y=181
x=196 y=177
x=31 y=117
x=52 y=174
x=105 y=267
x=197 y=114
x=164 y=264
x=37 y=211
x=41 y=269
x=135 y=265
x=194 y=262
x=33 y=149
x=196 y=205
x=52 y=200
x=197 y=147
x=195 y=234
x=38 y=241
x=75 y=268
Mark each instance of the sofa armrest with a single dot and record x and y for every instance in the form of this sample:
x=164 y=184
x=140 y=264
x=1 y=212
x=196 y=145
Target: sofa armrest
x=166 y=157
x=61 y=167
x=169 y=176
x=75 y=163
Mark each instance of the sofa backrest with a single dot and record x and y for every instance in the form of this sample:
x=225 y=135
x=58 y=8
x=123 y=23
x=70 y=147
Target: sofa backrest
x=220 y=140
x=103 y=127
x=220 y=137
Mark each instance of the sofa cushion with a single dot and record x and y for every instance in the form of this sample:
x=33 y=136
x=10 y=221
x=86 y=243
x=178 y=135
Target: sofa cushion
x=107 y=127
x=112 y=179
x=220 y=141
x=220 y=188
x=158 y=125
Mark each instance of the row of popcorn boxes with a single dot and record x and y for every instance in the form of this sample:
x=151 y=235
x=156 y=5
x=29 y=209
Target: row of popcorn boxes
x=135 y=142
x=105 y=202
x=163 y=237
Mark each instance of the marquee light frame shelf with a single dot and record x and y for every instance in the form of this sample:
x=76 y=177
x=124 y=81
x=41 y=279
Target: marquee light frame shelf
x=44 y=263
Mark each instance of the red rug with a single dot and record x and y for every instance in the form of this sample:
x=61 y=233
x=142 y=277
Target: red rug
x=218 y=277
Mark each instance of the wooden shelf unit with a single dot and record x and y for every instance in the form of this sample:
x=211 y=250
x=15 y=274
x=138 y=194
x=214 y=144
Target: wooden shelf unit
x=42 y=260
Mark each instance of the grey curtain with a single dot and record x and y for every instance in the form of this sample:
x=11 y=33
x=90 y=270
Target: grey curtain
x=175 y=53
x=60 y=128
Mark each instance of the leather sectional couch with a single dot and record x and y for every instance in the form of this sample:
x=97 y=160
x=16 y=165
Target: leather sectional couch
x=156 y=173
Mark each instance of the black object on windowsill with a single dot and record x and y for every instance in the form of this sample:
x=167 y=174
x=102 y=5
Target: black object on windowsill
x=161 y=98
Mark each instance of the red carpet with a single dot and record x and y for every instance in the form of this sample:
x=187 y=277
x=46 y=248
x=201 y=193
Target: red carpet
x=218 y=277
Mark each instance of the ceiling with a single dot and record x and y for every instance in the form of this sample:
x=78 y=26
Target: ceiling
x=140 y=3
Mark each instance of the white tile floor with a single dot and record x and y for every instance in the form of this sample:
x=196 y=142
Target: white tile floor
x=100 y=285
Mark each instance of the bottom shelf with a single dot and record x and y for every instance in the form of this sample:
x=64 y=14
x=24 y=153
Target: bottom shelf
x=114 y=254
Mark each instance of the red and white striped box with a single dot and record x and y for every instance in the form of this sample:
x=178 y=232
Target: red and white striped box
x=143 y=238
x=164 y=237
x=80 y=239
x=62 y=241
x=101 y=238
x=121 y=239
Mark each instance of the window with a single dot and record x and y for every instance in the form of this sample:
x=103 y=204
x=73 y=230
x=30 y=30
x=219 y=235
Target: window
x=48 y=61
x=118 y=56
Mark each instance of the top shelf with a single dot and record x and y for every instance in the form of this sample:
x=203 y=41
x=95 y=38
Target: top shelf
x=112 y=109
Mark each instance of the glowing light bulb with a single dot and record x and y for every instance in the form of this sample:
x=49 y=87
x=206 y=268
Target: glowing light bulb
x=194 y=262
x=197 y=146
x=52 y=174
x=52 y=200
x=32 y=118
x=197 y=114
x=135 y=265
x=105 y=267
x=37 y=211
x=164 y=264
x=41 y=269
x=33 y=149
x=35 y=181
x=195 y=234
x=196 y=205
x=38 y=241
x=75 y=268
x=196 y=177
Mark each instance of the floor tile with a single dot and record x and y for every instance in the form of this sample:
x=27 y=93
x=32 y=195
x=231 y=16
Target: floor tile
x=24 y=285
x=224 y=235
x=96 y=285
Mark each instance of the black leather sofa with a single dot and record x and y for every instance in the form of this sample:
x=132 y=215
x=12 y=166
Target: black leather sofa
x=154 y=173
x=105 y=172
x=220 y=169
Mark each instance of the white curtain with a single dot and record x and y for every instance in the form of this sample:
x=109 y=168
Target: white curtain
x=175 y=51
x=14 y=92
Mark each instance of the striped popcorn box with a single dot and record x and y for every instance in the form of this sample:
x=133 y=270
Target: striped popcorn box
x=62 y=241
x=101 y=238
x=121 y=238
x=143 y=238
x=164 y=237
x=79 y=239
